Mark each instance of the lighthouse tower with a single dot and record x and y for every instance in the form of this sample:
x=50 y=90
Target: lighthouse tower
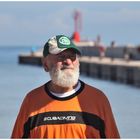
x=77 y=26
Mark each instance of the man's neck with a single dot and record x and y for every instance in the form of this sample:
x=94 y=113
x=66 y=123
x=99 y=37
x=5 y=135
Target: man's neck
x=58 y=89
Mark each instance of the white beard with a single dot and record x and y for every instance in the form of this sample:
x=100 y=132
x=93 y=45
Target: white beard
x=65 y=77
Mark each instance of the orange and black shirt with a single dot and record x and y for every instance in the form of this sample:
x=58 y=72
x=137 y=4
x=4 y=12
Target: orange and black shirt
x=85 y=114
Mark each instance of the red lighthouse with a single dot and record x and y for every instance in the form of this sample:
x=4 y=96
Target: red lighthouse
x=77 y=26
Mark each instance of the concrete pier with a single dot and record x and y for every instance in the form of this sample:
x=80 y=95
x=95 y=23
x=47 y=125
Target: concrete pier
x=30 y=59
x=119 y=70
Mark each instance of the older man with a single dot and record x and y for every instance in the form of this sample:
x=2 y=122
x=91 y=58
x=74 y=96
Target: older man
x=64 y=107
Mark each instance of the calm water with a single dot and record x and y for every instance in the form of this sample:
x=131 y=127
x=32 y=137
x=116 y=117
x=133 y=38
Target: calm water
x=17 y=80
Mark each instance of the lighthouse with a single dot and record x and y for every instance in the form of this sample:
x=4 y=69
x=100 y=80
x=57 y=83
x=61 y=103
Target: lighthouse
x=77 y=26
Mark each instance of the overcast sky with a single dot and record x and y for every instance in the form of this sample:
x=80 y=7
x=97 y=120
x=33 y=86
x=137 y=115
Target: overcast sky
x=32 y=23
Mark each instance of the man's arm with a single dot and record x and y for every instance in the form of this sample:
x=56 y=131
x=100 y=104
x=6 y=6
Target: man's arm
x=18 y=129
x=111 y=130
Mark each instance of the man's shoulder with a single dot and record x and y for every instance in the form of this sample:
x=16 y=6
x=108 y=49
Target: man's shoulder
x=93 y=91
x=35 y=92
x=92 y=88
x=95 y=95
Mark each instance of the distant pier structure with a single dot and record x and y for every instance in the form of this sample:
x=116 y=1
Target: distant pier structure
x=119 y=70
x=114 y=66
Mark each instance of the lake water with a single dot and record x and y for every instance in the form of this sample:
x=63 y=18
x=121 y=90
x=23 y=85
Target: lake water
x=17 y=80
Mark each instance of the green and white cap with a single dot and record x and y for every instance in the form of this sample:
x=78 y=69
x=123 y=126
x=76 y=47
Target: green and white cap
x=57 y=44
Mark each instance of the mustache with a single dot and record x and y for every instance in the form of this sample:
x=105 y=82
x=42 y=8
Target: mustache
x=66 y=67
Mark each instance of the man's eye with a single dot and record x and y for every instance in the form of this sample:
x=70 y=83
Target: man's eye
x=63 y=57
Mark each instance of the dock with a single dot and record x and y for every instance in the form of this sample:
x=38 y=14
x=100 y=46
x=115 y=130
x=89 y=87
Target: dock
x=116 y=69
x=30 y=59
x=33 y=58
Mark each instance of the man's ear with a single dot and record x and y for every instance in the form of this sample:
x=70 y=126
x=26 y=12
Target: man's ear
x=44 y=64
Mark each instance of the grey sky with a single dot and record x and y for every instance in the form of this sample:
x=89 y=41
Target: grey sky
x=31 y=23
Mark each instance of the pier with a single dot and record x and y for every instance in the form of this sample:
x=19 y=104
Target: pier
x=118 y=70
x=114 y=69
x=30 y=59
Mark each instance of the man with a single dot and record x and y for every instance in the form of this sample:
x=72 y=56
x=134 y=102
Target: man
x=64 y=107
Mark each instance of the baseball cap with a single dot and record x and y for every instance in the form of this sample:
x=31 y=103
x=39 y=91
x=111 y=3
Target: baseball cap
x=57 y=44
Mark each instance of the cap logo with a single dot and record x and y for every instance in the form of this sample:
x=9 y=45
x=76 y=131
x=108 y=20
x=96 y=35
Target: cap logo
x=64 y=40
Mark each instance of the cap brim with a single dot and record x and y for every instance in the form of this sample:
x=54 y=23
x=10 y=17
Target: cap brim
x=76 y=50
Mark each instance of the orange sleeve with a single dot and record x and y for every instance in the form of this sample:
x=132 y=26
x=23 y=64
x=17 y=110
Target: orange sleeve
x=21 y=119
x=111 y=130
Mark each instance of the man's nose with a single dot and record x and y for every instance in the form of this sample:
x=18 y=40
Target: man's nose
x=67 y=61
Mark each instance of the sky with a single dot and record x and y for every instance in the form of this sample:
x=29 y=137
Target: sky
x=32 y=23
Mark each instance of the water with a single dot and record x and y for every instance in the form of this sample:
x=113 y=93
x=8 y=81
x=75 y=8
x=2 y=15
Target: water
x=17 y=80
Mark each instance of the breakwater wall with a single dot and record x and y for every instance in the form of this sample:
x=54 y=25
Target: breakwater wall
x=29 y=59
x=118 y=70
